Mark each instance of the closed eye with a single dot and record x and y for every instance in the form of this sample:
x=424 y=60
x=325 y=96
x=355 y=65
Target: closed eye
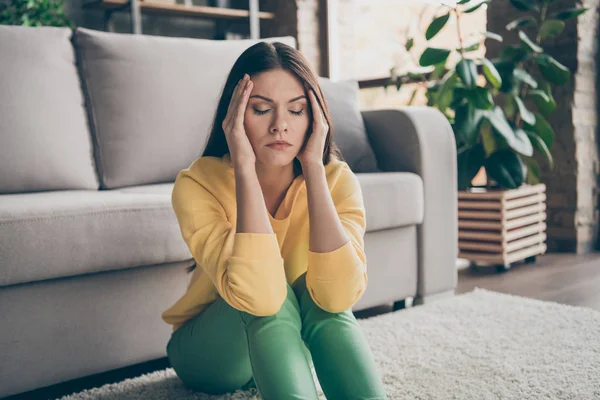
x=262 y=112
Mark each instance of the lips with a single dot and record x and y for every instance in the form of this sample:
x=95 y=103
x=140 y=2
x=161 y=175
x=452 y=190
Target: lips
x=279 y=145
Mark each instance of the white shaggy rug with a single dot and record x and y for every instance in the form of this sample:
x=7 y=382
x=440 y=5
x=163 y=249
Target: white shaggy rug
x=478 y=345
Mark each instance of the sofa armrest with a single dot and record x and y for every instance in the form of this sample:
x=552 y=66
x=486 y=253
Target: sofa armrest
x=420 y=140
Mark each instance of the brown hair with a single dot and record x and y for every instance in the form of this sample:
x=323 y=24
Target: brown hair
x=262 y=57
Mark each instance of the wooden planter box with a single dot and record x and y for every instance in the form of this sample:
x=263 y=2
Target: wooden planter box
x=502 y=226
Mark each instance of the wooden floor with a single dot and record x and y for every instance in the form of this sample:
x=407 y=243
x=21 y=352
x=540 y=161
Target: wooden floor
x=563 y=278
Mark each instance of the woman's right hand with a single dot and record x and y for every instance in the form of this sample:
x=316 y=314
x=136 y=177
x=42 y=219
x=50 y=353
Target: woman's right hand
x=240 y=149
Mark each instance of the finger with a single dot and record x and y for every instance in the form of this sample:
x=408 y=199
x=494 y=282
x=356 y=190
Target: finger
x=234 y=99
x=243 y=102
x=316 y=108
x=238 y=100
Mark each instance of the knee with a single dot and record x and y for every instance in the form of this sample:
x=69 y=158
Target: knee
x=289 y=310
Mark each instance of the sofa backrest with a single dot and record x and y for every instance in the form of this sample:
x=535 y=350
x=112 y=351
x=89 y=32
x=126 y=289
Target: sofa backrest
x=45 y=143
x=152 y=100
x=88 y=109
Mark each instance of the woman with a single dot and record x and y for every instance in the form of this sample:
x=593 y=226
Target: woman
x=275 y=221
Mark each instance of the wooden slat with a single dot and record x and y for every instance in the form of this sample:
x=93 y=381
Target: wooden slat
x=524 y=201
x=180 y=10
x=525 y=242
x=498 y=237
x=464 y=245
x=499 y=194
x=480 y=225
x=479 y=205
x=502 y=247
x=522 y=211
x=499 y=259
x=522 y=221
x=524 y=231
x=528 y=252
x=482 y=215
x=524 y=190
x=479 y=235
x=480 y=194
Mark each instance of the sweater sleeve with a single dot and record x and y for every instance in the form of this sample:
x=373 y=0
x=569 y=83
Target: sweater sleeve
x=337 y=279
x=246 y=268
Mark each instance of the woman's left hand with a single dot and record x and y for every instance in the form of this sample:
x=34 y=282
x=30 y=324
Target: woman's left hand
x=312 y=153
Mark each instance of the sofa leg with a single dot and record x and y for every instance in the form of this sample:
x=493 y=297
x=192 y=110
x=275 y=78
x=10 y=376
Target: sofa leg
x=399 y=305
x=402 y=304
x=432 y=298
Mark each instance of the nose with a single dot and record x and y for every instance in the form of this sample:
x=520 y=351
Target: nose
x=279 y=125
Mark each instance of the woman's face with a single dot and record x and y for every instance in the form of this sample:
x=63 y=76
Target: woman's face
x=277 y=110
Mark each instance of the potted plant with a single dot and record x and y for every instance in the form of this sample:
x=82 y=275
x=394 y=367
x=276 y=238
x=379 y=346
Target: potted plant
x=34 y=13
x=498 y=110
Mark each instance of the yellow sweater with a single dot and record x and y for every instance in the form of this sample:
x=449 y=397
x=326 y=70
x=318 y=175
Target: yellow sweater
x=249 y=270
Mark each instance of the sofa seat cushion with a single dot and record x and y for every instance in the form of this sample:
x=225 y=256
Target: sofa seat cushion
x=392 y=199
x=65 y=233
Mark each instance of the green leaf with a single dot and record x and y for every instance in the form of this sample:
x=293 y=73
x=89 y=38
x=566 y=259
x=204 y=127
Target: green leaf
x=445 y=93
x=412 y=97
x=419 y=72
x=487 y=138
x=528 y=43
x=466 y=70
x=436 y=25
x=525 y=146
x=513 y=53
x=519 y=22
x=545 y=103
x=526 y=115
x=462 y=1
x=506 y=168
x=469 y=163
x=467 y=120
x=521 y=75
x=543 y=129
x=502 y=127
x=493 y=36
x=552 y=70
x=491 y=73
x=506 y=69
x=481 y=98
x=551 y=28
x=540 y=145
x=439 y=69
x=570 y=13
x=533 y=171
x=432 y=56
x=509 y=106
x=525 y=5
x=473 y=8
x=471 y=47
x=409 y=44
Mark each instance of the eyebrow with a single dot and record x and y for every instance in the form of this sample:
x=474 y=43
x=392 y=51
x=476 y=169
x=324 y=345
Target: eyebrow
x=271 y=100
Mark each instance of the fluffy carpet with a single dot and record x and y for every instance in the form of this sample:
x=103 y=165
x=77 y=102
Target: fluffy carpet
x=478 y=345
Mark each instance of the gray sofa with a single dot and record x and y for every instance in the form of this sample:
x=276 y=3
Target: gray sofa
x=94 y=127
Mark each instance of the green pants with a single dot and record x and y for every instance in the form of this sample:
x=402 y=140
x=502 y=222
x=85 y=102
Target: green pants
x=224 y=349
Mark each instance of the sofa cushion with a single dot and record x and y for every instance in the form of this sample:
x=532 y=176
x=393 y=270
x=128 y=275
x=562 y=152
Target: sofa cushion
x=73 y=232
x=349 y=132
x=392 y=199
x=152 y=100
x=45 y=143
